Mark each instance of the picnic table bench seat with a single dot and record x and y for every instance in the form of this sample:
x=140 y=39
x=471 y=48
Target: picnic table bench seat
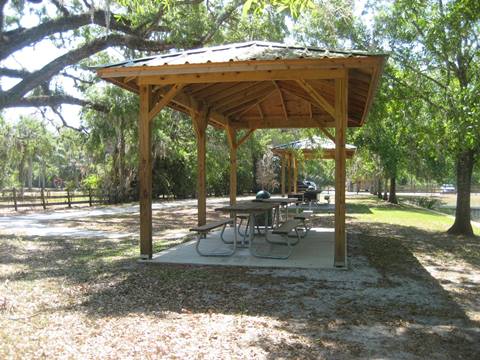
x=304 y=217
x=284 y=230
x=202 y=232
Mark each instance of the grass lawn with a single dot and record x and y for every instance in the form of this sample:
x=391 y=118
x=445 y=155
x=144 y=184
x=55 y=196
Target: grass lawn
x=410 y=292
x=447 y=199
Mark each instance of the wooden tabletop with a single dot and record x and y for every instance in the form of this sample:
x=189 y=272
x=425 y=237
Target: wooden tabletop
x=279 y=200
x=248 y=206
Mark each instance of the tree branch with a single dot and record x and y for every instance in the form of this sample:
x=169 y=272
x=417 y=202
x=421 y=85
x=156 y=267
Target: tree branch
x=19 y=38
x=55 y=100
x=60 y=7
x=14 y=73
x=77 y=79
x=418 y=93
x=37 y=77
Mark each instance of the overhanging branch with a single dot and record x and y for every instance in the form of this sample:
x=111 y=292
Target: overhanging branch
x=56 y=100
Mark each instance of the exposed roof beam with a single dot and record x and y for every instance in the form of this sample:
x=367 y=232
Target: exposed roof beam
x=243 y=110
x=320 y=100
x=275 y=121
x=246 y=97
x=189 y=102
x=327 y=133
x=245 y=137
x=259 y=108
x=169 y=95
x=282 y=100
x=216 y=99
x=196 y=78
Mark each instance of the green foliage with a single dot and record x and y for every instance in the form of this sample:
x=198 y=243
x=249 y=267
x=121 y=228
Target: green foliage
x=425 y=201
x=92 y=181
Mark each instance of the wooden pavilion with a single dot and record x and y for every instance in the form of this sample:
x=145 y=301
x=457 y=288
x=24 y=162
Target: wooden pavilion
x=249 y=86
x=307 y=149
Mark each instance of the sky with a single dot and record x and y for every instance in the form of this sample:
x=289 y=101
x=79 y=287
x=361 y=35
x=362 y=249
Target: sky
x=35 y=57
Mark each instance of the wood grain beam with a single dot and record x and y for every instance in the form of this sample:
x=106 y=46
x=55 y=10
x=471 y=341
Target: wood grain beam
x=169 y=95
x=327 y=133
x=257 y=102
x=239 y=76
x=245 y=137
x=282 y=100
x=200 y=121
x=245 y=97
x=216 y=99
x=321 y=101
x=341 y=118
x=145 y=171
x=233 y=146
x=279 y=122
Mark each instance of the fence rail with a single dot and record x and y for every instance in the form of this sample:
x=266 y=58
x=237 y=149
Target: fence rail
x=15 y=198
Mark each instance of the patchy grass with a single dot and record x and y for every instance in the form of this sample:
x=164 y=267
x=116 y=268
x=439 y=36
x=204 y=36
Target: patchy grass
x=402 y=215
x=411 y=291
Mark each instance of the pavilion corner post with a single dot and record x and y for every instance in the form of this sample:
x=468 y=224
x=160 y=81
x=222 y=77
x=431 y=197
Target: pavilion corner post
x=295 y=174
x=233 y=145
x=145 y=172
x=341 y=115
x=200 y=121
x=283 y=164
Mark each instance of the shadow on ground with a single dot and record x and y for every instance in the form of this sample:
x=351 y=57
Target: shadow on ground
x=385 y=305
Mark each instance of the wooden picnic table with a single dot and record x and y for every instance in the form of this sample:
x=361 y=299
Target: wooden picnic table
x=283 y=202
x=251 y=208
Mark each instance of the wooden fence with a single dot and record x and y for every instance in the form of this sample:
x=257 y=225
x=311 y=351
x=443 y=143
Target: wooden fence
x=16 y=198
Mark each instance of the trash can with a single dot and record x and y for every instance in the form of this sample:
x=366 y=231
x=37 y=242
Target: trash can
x=260 y=219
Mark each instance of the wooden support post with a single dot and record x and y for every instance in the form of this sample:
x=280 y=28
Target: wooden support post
x=69 y=200
x=145 y=171
x=295 y=175
x=200 y=121
x=14 y=194
x=282 y=180
x=341 y=115
x=90 y=197
x=42 y=194
x=290 y=173
x=287 y=171
x=233 y=145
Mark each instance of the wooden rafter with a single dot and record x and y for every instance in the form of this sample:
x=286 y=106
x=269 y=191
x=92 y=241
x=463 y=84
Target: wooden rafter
x=189 y=102
x=259 y=108
x=278 y=122
x=245 y=137
x=321 y=101
x=258 y=101
x=201 y=87
x=327 y=133
x=282 y=100
x=214 y=90
x=129 y=78
x=244 y=98
x=165 y=100
x=300 y=95
x=216 y=99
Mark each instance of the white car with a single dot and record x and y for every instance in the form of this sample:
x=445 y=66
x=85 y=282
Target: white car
x=447 y=188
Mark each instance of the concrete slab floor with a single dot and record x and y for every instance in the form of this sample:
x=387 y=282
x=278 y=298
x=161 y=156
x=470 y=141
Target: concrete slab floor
x=315 y=251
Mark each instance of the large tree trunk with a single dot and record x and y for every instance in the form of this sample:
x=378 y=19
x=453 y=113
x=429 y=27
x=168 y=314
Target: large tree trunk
x=385 y=189
x=379 y=188
x=392 y=198
x=30 y=173
x=462 y=225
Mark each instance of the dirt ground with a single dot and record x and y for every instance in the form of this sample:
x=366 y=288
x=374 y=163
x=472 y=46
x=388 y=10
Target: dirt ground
x=408 y=294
